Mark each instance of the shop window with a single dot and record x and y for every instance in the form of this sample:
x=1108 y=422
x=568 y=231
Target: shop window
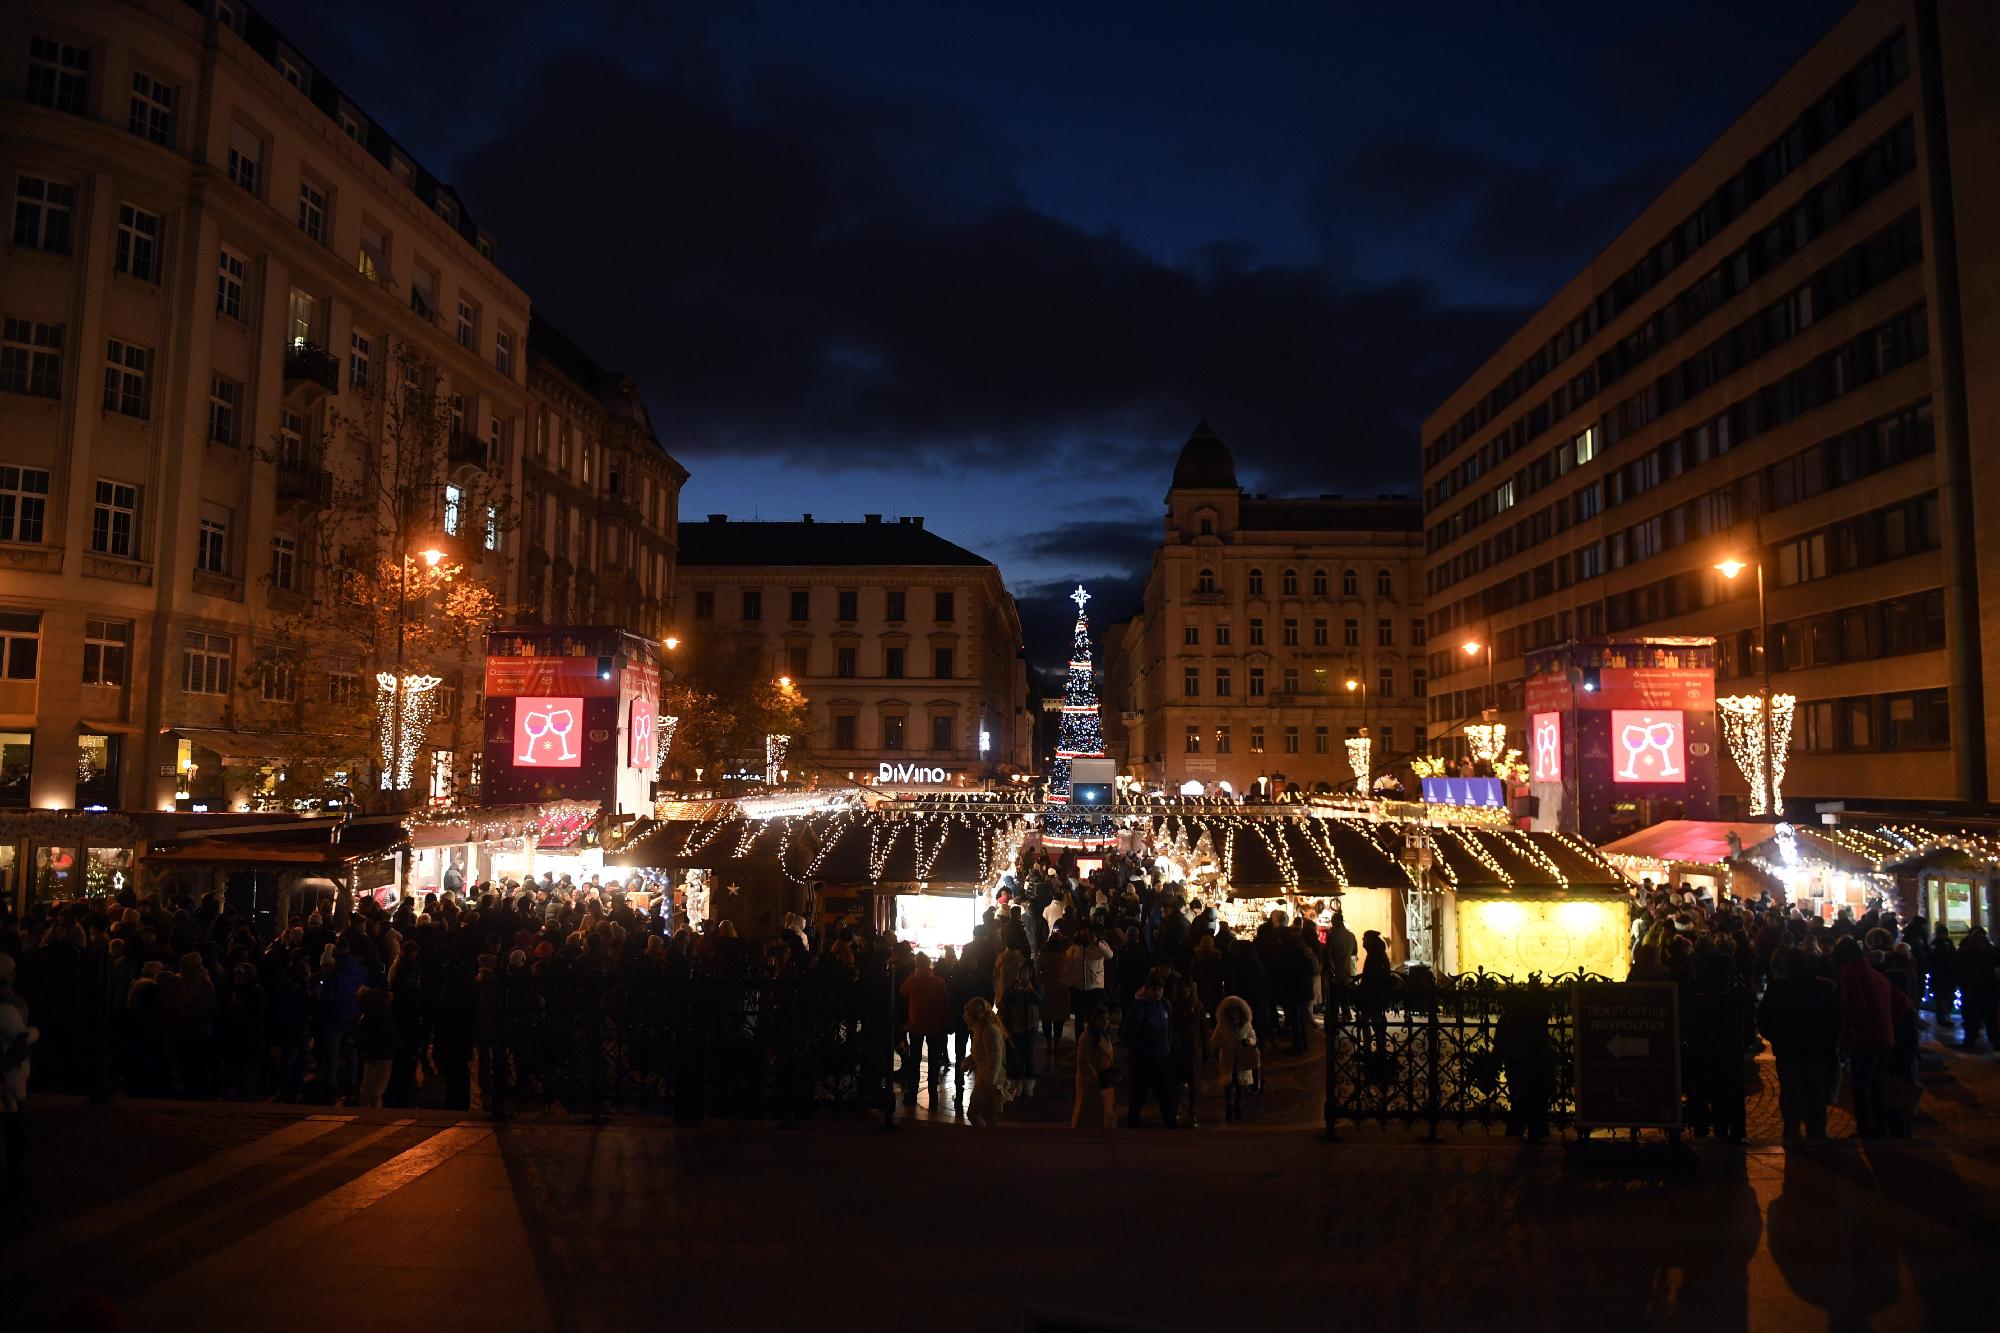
x=17 y=761
x=55 y=873
x=97 y=765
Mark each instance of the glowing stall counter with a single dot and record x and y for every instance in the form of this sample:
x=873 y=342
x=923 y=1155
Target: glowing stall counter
x=1513 y=938
x=930 y=921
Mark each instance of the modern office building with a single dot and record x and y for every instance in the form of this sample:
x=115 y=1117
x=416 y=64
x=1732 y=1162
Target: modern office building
x=906 y=645
x=1271 y=631
x=1790 y=359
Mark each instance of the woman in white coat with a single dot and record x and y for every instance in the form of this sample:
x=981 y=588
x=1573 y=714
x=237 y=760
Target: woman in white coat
x=1236 y=1056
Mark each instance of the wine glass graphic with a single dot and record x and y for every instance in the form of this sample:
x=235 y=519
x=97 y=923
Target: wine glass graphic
x=1634 y=741
x=561 y=720
x=536 y=725
x=1660 y=736
x=1545 y=750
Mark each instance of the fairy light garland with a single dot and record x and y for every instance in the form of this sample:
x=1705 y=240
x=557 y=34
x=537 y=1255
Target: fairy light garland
x=879 y=846
x=1529 y=848
x=1358 y=748
x=1280 y=853
x=1486 y=740
x=1321 y=841
x=402 y=731
x=1742 y=717
x=703 y=834
x=665 y=727
x=1481 y=855
x=775 y=746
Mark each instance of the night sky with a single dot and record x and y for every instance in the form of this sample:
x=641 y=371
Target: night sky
x=989 y=263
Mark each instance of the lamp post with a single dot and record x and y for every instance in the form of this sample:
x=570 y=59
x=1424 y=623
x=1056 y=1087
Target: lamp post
x=1730 y=568
x=430 y=556
x=1356 y=685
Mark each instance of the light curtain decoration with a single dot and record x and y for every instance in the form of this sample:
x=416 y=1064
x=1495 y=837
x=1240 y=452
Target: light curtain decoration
x=402 y=730
x=774 y=756
x=1486 y=740
x=1743 y=730
x=666 y=725
x=1357 y=761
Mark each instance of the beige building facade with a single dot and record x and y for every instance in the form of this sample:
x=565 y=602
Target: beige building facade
x=1789 y=357
x=1258 y=613
x=906 y=645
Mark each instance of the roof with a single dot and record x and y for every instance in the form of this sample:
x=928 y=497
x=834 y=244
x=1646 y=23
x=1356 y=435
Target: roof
x=1690 y=841
x=1205 y=463
x=721 y=543
x=1330 y=514
x=615 y=391
x=309 y=843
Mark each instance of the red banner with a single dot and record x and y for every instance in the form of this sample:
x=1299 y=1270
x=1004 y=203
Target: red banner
x=1691 y=688
x=534 y=677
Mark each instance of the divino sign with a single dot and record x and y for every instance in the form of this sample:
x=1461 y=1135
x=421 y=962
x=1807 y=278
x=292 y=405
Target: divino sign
x=910 y=773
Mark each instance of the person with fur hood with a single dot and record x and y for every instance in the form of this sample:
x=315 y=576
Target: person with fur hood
x=1237 y=1060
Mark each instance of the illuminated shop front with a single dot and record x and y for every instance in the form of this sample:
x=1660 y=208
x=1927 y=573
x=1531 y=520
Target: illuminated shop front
x=1514 y=937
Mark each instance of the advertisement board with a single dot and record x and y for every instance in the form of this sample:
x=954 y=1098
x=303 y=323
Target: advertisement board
x=1628 y=1054
x=546 y=732
x=1545 y=760
x=1648 y=745
x=1466 y=791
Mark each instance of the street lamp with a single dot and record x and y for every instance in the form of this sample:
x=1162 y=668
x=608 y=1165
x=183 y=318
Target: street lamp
x=1730 y=567
x=1472 y=648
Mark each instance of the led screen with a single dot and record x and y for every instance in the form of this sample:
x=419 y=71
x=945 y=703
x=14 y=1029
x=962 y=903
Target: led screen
x=548 y=733
x=1648 y=745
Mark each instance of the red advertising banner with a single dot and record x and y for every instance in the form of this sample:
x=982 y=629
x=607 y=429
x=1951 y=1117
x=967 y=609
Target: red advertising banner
x=547 y=733
x=1648 y=745
x=1548 y=692
x=534 y=677
x=1691 y=688
x=642 y=740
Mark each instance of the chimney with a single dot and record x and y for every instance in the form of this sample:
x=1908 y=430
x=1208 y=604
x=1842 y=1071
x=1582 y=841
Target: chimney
x=809 y=518
x=871 y=518
x=916 y=520
x=718 y=518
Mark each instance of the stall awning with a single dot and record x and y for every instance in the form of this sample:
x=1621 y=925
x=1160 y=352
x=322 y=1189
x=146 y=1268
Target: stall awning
x=252 y=744
x=110 y=726
x=1690 y=841
x=311 y=844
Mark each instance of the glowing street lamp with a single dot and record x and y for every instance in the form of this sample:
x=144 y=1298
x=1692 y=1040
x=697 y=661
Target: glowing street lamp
x=1730 y=567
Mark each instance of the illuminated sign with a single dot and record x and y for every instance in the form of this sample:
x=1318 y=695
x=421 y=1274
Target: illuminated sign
x=1545 y=731
x=545 y=733
x=1648 y=745
x=1466 y=791
x=643 y=737
x=887 y=772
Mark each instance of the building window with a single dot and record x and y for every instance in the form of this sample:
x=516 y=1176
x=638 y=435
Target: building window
x=848 y=605
x=940 y=733
x=107 y=647
x=1420 y=679
x=114 y=519
x=1222 y=635
x=1256 y=682
x=801 y=604
x=1386 y=738
x=892 y=663
x=1322 y=636
x=944 y=606
x=753 y=604
x=942 y=663
x=225 y=408
x=246 y=158
x=284 y=562
x=31 y=358
x=1385 y=683
x=1503 y=497
x=892 y=732
x=468 y=326
x=125 y=370
x=844 y=664
x=291 y=439
x=229 y=270
x=1222 y=740
x=491 y=538
x=1191 y=634
x=1417 y=631
x=20 y=644
x=138 y=252
x=42 y=214
x=278 y=683
x=704 y=604
x=797 y=657
x=1291 y=679
x=894 y=604
x=58 y=75
x=1291 y=639
x=1291 y=583
x=343 y=688
x=1586 y=445
x=1256 y=583
x=1385 y=633
x=1385 y=586
x=24 y=504
x=1256 y=631
x=1322 y=741
x=352 y=124
x=312 y=211
x=1222 y=682
x=205 y=663
x=1207 y=527
x=1256 y=740
x=503 y=353
x=1350 y=583
x=360 y=359
x=294 y=70
x=1194 y=740
x=1319 y=583
x=1350 y=633
x=1191 y=682
x=843 y=732
x=1204 y=582
x=211 y=551
x=302 y=317
x=1291 y=740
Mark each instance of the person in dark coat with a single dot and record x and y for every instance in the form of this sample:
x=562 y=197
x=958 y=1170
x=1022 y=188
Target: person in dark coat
x=1800 y=1017
x=1715 y=1047
x=1979 y=990
x=1148 y=1034
x=1527 y=1059
x=1868 y=1030
x=1943 y=964
x=455 y=1024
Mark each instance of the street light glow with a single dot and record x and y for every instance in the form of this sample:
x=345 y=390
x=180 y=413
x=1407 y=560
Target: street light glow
x=432 y=556
x=1731 y=567
x=784 y=682
x=1471 y=648
x=672 y=643
x=1352 y=684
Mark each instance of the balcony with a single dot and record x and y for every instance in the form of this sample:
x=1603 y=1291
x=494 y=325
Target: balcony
x=311 y=366
x=1205 y=599
x=465 y=450
x=299 y=483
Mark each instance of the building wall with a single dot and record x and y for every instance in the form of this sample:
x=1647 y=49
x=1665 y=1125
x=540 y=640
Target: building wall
x=1213 y=578
x=223 y=92
x=844 y=665
x=1756 y=364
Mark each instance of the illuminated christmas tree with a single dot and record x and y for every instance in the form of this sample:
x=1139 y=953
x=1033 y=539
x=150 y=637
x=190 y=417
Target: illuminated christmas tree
x=1082 y=737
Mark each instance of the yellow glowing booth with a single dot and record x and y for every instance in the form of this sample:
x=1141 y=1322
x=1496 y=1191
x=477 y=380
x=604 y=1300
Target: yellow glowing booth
x=1513 y=937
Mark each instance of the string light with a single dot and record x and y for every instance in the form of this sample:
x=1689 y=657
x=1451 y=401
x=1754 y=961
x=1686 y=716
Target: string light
x=399 y=748
x=704 y=833
x=1743 y=729
x=1357 y=760
x=1379 y=835
x=1486 y=740
x=1533 y=851
x=879 y=846
x=1280 y=853
x=1320 y=839
x=1481 y=855
x=665 y=726
x=774 y=756
x=1081 y=737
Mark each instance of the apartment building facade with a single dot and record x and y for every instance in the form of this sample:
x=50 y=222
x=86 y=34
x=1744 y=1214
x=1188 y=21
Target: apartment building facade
x=601 y=496
x=906 y=646
x=1773 y=364
x=1272 y=631
x=216 y=265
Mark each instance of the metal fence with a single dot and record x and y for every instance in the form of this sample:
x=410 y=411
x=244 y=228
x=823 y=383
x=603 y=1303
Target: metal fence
x=1456 y=1050
x=693 y=1047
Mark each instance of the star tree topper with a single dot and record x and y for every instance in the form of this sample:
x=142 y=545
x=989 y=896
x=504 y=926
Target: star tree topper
x=1079 y=597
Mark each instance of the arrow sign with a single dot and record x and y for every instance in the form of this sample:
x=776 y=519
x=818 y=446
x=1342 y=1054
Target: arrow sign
x=1620 y=1047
